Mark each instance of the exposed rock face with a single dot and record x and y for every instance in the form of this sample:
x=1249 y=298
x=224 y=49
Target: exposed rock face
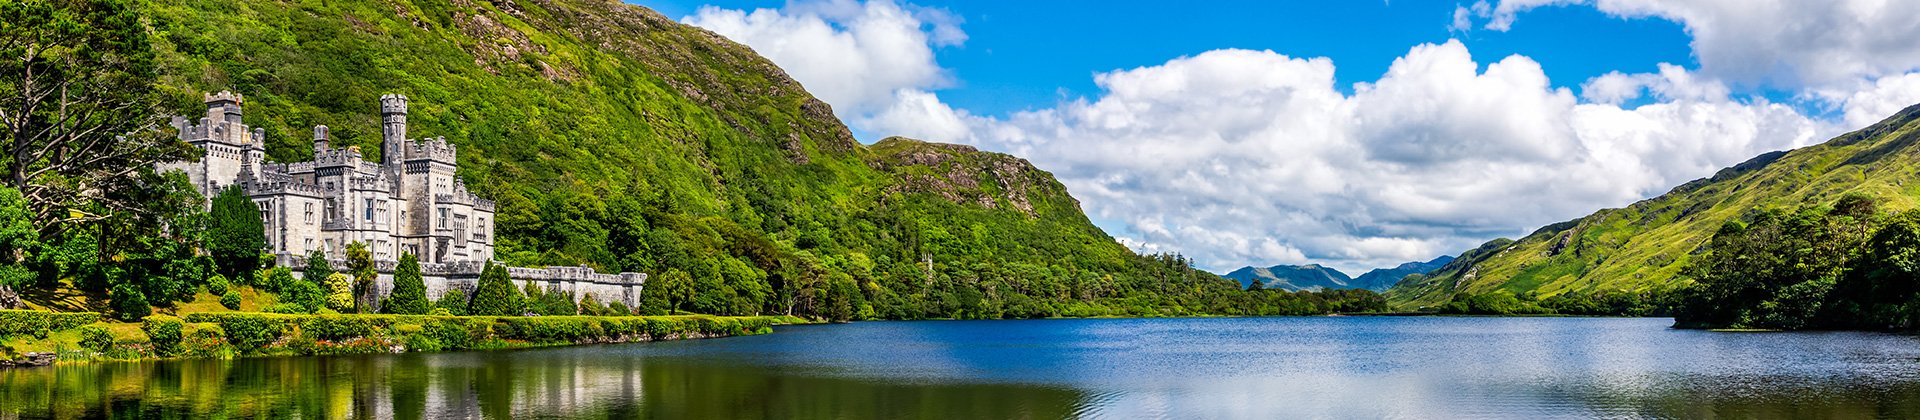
x=31 y=359
x=965 y=175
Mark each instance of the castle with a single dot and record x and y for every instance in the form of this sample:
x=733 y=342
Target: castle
x=409 y=201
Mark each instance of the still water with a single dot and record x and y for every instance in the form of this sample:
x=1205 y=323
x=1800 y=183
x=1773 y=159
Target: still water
x=1325 y=367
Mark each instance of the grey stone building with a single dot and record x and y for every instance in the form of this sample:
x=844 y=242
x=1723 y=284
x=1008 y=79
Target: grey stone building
x=409 y=201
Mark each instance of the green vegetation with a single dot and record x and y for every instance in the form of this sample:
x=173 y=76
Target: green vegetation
x=1642 y=250
x=234 y=232
x=1844 y=266
x=409 y=289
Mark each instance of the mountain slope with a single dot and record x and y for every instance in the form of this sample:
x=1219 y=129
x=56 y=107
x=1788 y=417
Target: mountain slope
x=1293 y=277
x=614 y=137
x=1642 y=247
x=1381 y=279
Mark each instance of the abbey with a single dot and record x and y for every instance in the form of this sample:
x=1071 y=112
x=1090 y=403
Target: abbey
x=408 y=201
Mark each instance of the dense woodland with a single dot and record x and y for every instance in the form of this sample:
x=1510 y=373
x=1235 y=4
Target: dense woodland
x=611 y=137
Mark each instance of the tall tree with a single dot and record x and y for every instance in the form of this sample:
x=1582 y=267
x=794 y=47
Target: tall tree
x=318 y=269
x=360 y=265
x=495 y=295
x=79 y=114
x=236 y=234
x=17 y=237
x=409 y=289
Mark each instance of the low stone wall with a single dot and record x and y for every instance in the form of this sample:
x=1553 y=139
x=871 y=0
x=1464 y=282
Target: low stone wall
x=462 y=276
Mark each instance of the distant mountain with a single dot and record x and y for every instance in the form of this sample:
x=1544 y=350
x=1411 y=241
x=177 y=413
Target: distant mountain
x=1293 y=277
x=1381 y=279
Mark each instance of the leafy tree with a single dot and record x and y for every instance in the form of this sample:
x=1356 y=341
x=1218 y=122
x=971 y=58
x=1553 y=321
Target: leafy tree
x=235 y=235
x=454 y=302
x=128 y=303
x=339 y=289
x=360 y=264
x=78 y=117
x=318 y=269
x=17 y=237
x=305 y=294
x=494 y=295
x=409 y=288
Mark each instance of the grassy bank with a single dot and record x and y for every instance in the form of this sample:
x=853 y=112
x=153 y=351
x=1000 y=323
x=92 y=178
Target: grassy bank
x=81 y=337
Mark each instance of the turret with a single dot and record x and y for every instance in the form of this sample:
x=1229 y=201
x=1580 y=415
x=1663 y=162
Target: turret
x=223 y=107
x=393 y=117
x=319 y=139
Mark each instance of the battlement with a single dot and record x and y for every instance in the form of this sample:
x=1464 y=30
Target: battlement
x=393 y=103
x=329 y=158
x=432 y=149
x=283 y=186
x=224 y=97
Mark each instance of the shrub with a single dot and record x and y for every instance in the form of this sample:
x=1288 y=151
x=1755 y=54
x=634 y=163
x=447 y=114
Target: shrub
x=217 y=285
x=440 y=312
x=339 y=290
x=454 y=302
x=619 y=308
x=42 y=323
x=285 y=308
x=128 y=303
x=96 y=338
x=204 y=340
x=165 y=332
x=305 y=294
x=230 y=299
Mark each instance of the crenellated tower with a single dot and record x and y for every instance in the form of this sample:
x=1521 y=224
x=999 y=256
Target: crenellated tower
x=393 y=128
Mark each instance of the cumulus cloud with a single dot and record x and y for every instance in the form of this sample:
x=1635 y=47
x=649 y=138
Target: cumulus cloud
x=1829 y=48
x=873 y=61
x=1240 y=157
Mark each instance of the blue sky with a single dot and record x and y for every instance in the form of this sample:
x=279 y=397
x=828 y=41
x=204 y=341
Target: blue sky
x=1352 y=134
x=1022 y=55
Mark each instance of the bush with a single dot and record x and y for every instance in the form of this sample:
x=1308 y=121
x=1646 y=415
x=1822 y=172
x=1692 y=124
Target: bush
x=217 y=285
x=305 y=294
x=165 y=332
x=494 y=295
x=204 y=340
x=128 y=303
x=619 y=308
x=42 y=323
x=96 y=338
x=339 y=290
x=285 y=308
x=440 y=312
x=230 y=299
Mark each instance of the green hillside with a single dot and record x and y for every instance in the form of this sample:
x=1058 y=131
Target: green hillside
x=615 y=138
x=1643 y=247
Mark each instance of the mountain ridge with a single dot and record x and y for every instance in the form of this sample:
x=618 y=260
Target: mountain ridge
x=1642 y=248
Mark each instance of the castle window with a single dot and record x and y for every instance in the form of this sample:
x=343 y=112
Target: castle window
x=333 y=210
x=369 y=209
x=309 y=207
x=308 y=246
x=443 y=217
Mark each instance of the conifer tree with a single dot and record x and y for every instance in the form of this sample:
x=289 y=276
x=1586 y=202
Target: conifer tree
x=236 y=235
x=318 y=269
x=495 y=295
x=409 y=289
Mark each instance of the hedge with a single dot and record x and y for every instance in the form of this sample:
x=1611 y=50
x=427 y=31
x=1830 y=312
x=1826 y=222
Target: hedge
x=256 y=332
x=42 y=323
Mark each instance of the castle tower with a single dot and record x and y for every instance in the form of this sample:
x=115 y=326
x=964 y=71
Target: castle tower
x=319 y=139
x=393 y=124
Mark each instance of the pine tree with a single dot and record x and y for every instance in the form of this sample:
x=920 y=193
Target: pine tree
x=409 y=290
x=236 y=235
x=495 y=294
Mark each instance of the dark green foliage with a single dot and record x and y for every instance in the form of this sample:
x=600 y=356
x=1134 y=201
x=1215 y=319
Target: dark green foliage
x=165 y=332
x=454 y=302
x=619 y=308
x=1496 y=303
x=18 y=236
x=217 y=285
x=235 y=234
x=230 y=300
x=1844 y=266
x=494 y=294
x=409 y=289
x=317 y=269
x=41 y=323
x=128 y=303
x=253 y=333
x=304 y=295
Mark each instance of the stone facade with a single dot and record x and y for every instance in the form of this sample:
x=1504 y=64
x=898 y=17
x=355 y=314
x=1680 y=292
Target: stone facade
x=409 y=201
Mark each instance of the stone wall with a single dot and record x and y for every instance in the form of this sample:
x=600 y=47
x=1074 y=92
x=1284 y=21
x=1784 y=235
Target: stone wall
x=462 y=276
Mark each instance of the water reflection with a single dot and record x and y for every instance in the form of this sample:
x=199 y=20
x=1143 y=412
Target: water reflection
x=1216 y=368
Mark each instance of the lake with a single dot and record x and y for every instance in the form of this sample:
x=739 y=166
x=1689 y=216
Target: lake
x=1313 y=367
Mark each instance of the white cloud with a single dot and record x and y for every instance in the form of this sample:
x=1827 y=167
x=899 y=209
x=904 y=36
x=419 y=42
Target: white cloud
x=1829 y=47
x=865 y=59
x=1240 y=157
